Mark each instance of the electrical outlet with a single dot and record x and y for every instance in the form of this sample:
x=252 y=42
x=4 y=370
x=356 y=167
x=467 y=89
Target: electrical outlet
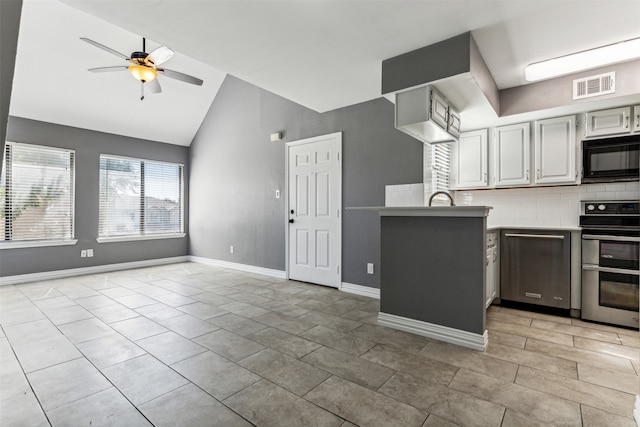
x=83 y=253
x=231 y=249
x=369 y=268
x=89 y=253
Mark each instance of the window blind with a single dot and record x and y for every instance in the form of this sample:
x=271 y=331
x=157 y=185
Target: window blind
x=139 y=197
x=36 y=193
x=441 y=161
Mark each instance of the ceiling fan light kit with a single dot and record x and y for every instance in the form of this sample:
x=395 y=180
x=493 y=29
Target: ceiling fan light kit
x=144 y=66
x=142 y=73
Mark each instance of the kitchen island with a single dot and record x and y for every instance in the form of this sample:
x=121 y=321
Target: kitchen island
x=432 y=266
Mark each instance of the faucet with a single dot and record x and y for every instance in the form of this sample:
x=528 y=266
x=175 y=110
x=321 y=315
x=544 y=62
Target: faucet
x=442 y=192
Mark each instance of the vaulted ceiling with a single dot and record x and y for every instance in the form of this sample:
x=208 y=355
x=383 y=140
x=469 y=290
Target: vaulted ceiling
x=321 y=54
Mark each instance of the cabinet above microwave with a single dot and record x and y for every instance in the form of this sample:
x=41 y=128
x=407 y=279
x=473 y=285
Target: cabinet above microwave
x=614 y=121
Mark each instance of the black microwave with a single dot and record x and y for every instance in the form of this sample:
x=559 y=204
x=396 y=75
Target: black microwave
x=611 y=159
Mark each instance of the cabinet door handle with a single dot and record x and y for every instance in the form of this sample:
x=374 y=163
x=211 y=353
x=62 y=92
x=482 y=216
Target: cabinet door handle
x=537 y=173
x=535 y=236
x=638 y=120
x=485 y=178
x=627 y=123
x=527 y=175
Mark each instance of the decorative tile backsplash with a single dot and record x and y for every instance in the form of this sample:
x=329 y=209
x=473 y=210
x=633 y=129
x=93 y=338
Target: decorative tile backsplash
x=544 y=206
x=524 y=207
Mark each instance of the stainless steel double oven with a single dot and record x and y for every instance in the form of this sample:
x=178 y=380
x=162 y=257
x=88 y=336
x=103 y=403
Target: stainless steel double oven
x=610 y=261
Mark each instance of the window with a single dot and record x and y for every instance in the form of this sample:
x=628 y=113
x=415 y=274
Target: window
x=139 y=198
x=437 y=165
x=36 y=193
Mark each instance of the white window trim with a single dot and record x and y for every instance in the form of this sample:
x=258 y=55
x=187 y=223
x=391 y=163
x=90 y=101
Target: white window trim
x=143 y=237
x=19 y=244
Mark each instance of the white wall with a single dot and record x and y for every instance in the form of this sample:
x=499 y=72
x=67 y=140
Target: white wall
x=544 y=206
x=522 y=207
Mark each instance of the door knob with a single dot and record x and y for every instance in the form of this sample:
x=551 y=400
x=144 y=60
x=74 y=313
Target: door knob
x=291 y=221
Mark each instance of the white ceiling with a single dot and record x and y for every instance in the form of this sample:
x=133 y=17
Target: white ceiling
x=321 y=54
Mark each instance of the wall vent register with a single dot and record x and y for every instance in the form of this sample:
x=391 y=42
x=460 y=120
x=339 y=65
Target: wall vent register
x=601 y=84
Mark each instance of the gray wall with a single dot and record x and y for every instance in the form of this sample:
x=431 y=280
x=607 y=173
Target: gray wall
x=88 y=146
x=10 y=11
x=434 y=270
x=558 y=92
x=235 y=171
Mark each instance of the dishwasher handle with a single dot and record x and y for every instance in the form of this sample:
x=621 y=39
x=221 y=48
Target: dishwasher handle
x=535 y=236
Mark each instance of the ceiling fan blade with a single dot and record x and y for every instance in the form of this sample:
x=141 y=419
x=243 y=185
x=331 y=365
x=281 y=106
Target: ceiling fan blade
x=180 y=76
x=154 y=86
x=160 y=55
x=105 y=48
x=107 y=69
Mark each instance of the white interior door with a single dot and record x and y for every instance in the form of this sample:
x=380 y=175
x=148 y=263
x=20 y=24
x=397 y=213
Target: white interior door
x=314 y=186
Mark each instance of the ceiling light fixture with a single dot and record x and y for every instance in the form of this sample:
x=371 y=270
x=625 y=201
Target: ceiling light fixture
x=587 y=59
x=142 y=73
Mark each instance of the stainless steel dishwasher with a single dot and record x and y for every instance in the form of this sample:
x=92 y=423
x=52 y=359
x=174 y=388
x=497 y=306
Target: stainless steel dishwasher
x=535 y=267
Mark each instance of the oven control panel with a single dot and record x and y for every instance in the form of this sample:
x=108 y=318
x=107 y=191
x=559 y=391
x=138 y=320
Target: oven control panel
x=599 y=207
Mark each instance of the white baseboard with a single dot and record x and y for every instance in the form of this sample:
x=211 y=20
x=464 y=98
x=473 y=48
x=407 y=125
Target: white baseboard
x=636 y=410
x=60 y=274
x=360 y=290
x=431 y=330
x=278 y=274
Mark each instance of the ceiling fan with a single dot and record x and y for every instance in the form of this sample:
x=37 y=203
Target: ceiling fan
x=144 y=66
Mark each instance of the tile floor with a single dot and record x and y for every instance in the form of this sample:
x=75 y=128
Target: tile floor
x=194 y=345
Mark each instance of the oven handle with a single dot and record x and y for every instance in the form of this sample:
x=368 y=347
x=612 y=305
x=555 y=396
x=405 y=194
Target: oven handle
x=613 y=238
x=610 y=270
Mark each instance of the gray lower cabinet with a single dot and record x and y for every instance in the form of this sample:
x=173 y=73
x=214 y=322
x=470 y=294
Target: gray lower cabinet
x=535 y=267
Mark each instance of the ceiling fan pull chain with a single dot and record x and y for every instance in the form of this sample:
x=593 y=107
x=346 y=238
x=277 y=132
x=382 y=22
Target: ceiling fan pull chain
x=141 y=91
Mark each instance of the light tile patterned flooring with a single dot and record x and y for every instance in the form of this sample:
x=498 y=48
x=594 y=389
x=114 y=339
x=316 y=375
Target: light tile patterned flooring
x=194 y=345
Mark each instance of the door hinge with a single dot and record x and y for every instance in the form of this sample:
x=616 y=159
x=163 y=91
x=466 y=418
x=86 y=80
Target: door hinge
x=338 y=156
x=337 y=269
x=338 y=213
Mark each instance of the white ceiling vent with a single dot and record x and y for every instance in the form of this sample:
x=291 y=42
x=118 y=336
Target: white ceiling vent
x=601 y=84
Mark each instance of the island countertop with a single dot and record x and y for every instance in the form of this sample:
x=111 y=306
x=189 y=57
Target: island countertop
x=447 y=211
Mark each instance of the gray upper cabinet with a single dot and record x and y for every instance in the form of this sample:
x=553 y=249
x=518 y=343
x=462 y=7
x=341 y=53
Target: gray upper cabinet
x=425 y=114
x=439 y=109
x=469 y=166
x=454 y=123
x=555 y=151
x=614 y=121
x=511 y=147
